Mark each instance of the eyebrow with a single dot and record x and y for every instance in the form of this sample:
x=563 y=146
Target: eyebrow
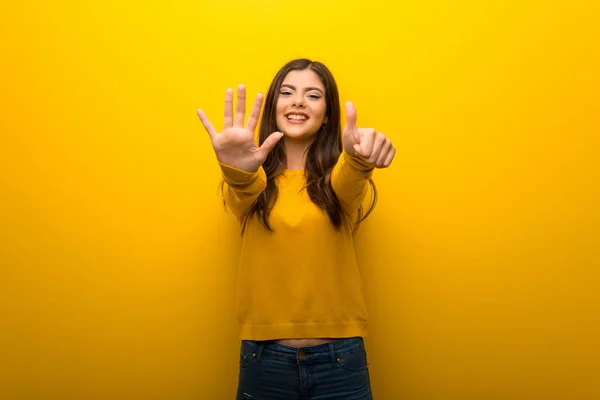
x=305 y=89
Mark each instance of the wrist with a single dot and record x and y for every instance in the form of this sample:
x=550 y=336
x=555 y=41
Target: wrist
x=357 y=162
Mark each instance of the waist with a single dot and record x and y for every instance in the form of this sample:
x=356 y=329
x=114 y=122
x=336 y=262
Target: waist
x=317 y=353
x=305 y=342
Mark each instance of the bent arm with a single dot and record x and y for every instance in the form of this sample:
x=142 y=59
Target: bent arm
x=241 y=188
x=350 y=181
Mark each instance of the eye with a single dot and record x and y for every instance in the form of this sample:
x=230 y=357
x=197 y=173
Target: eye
x=314 y=96
x=286 y=93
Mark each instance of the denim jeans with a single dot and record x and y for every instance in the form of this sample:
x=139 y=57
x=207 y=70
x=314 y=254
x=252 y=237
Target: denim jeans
x=273 y=371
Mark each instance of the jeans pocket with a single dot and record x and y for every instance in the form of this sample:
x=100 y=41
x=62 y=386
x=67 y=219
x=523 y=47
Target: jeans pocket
x=247 y=356
x=353 y=362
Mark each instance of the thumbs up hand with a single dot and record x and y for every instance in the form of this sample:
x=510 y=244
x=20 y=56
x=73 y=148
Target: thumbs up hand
x=365 y=143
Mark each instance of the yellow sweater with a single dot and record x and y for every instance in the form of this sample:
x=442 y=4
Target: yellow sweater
x=302 y=280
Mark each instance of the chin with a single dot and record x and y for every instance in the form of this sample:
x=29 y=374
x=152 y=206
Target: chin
x=299 y=135
x=300 y=131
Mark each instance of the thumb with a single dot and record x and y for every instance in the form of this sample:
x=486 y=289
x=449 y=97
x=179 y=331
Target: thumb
x=350 y=116
x=269 y=144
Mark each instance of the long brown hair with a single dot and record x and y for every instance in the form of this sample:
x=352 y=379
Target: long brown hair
x=321 y=155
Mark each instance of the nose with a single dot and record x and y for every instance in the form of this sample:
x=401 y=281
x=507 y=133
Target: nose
x=298 y=100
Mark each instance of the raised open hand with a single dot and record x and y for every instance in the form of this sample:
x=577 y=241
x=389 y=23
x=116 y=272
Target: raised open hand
x=235 y=145
x=366 y=143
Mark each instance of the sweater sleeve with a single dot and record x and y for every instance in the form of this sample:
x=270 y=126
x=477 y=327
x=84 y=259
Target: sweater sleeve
x=350 y=181
x=241 y=188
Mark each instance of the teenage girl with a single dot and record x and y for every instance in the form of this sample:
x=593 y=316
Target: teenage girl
x=299 y=196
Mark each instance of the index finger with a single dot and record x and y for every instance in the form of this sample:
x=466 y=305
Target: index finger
x=255 y=112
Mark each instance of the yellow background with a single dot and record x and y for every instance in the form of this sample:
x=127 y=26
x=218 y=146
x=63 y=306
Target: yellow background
x=480 y=262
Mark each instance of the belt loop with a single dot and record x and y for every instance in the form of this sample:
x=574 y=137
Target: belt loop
x=332 y=351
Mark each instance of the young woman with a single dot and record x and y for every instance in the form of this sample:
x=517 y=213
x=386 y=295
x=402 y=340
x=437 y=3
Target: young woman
x=299 y=196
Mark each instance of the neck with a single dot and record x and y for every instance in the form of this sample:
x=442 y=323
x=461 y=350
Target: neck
x=295 y=153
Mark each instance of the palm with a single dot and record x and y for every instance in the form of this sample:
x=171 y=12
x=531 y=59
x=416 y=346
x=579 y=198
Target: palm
x=235 y=145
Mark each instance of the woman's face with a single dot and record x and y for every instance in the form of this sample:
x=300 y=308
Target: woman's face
x=301 y=104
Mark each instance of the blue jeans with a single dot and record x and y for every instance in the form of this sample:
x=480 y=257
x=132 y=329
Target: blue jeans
x=273 y=371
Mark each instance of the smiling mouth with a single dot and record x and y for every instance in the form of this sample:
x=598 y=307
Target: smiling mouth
x=297 y=117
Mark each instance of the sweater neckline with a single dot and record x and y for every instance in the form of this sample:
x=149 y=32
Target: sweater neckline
x=293 y=172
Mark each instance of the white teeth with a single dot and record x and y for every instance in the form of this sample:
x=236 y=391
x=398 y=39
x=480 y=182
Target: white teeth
x=297 y=117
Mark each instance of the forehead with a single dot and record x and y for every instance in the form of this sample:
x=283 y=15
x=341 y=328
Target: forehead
x=303 y=78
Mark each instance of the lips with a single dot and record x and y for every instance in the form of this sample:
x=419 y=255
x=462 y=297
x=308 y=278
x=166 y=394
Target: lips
x=296 y=116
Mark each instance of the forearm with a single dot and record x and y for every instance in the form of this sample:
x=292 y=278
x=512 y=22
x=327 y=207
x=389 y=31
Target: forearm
x=350 y=181
x=241 y=188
